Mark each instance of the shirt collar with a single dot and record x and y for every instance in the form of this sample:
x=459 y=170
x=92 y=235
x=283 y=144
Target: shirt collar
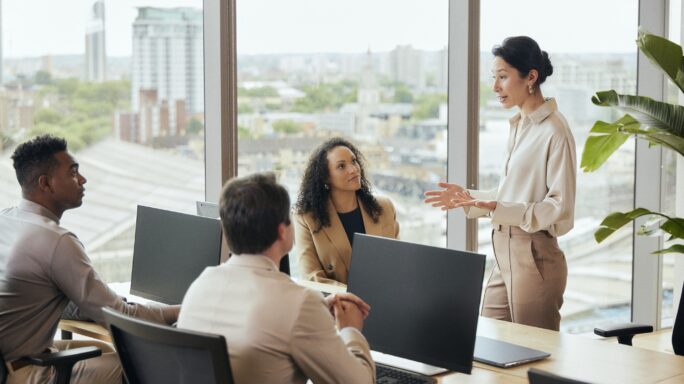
x=539 y=114
x=252 y=261
x=30 y=206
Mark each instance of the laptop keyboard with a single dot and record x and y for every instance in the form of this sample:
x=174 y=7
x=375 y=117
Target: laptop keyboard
x=390 y=375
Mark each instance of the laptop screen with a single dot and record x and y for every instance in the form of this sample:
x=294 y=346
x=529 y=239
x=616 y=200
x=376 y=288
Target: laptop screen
x=424 y=300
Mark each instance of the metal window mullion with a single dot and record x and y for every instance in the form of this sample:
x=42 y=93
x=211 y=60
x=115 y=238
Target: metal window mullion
x=463 y=95
x=220 y=93
x=646 y=267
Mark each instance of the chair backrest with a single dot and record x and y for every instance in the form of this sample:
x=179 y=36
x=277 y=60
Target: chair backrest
x=537 y=376
x=154 y=353
x=3 y=370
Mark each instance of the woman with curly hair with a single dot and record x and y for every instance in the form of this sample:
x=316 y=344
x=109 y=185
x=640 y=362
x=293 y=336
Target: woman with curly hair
x=334 y=202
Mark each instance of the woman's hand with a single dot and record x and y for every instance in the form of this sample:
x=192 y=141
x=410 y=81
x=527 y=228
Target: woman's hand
x=454 y=196
x=445 y=198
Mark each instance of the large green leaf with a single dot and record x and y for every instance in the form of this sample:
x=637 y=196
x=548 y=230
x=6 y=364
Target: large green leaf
x=677 y=248
x=663 y=119
x=617 y=220
x=604 y=139
x=664 y=54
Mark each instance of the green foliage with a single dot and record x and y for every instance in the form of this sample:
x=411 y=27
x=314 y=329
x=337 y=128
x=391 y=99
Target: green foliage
x=402 y=94
x=326 y=97
x=257 y=92
x=42 y=78
x=195 y=126
x=657 y=122
x=82 y=113
x=427 y=106
x=287 y=126
x=244 y=133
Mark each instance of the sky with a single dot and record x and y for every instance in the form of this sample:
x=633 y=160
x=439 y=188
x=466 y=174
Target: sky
x=288 y=26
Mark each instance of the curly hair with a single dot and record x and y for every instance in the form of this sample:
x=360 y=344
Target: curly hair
x=36 y=157
x=313 y=196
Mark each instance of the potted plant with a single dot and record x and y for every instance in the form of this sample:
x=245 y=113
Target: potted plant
x=657 y=122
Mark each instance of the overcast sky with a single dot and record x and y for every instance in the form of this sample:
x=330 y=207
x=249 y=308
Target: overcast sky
x=39 y=27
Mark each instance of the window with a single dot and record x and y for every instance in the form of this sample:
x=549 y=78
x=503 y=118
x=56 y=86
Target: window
x=374 y=72
x=129 y=101
x=585 y=61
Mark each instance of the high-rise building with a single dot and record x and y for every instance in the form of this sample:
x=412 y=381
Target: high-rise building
x=96 y=55
x=167 y=59
x=406 y=66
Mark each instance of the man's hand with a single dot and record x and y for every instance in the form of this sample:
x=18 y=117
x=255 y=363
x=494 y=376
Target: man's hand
x=347 y=314
x=348 y=297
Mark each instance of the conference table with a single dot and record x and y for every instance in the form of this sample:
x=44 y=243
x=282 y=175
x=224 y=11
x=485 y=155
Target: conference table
x=577 y=357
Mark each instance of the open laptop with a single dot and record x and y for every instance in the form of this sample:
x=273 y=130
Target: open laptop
x=424 y=302
x=505 y=355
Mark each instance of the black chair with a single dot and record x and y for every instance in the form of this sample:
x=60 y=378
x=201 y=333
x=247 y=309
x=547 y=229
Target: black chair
x=63 y=361
x=154 y=353
x=537 y=376
x=626 y=331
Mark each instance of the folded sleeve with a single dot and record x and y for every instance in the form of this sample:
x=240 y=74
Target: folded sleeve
x=486 y=195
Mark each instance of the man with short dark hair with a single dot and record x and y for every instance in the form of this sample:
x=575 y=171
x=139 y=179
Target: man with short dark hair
x=276 y=330
x=44 y=266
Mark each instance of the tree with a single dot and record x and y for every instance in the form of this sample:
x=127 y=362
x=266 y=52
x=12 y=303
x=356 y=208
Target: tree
x=287 y=127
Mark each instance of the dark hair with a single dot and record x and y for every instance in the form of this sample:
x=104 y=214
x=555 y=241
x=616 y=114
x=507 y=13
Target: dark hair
x=251 y=209
x=36 y=157
x=313 y=196
x=524 y=54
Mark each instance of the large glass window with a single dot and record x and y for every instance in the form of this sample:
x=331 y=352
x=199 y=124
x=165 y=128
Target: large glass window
x=585 y=61
x=123 y=82
x=374 y=72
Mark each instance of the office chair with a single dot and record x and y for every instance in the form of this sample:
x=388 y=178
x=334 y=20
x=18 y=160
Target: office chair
x=63 y=361
x=625 y=332
x=537 y=376
x=154 y=353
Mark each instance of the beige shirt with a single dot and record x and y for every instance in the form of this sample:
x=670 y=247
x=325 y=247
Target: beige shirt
x=537 y=187
x=276 y=330
x=42 y=267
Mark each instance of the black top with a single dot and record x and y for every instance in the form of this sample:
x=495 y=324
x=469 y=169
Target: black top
x=352 y=222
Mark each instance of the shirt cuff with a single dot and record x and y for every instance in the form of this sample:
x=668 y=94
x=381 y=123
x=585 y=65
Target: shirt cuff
x=509 y=213
x=351 y=334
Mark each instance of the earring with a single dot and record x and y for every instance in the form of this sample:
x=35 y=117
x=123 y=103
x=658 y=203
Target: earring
x=530 y=89
x=326 y=186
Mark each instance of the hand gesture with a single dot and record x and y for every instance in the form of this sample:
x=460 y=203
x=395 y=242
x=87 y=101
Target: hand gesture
x=455 y=196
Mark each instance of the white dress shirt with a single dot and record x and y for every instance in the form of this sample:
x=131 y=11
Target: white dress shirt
x=537 y=187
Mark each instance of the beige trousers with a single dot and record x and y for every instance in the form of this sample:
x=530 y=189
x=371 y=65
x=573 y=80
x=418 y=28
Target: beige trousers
x=527 y=284
x=104 y=369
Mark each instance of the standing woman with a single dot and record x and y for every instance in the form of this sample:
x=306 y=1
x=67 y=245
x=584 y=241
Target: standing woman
x=535 y=200
x=335 y=202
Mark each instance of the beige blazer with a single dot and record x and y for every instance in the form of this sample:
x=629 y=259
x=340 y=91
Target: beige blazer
x=325 y=256
x=276 y=331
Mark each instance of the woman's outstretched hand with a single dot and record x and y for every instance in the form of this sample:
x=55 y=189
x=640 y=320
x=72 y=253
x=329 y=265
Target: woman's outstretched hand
x=455 y=196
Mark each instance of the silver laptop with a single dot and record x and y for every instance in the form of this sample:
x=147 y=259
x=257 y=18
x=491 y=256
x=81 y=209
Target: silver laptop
x=503 y=354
